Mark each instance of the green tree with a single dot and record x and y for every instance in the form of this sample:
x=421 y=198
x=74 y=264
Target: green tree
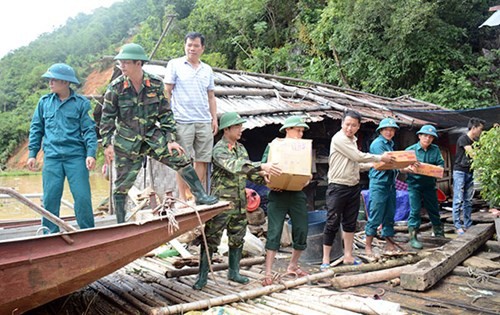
x=486 y=165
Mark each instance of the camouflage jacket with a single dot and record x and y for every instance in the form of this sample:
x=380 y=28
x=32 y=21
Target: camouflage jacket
x=232 y=168
x=133 y=118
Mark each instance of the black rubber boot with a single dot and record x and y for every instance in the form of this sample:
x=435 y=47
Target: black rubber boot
x=191 y=178
x=438 y=230
x=119 y=207
x=203 y=272
x=234 y=266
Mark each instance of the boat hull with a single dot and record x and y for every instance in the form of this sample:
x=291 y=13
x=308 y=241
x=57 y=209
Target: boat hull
x=37 y=270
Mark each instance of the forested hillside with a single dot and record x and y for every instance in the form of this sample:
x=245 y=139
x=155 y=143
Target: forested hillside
x=432 y=50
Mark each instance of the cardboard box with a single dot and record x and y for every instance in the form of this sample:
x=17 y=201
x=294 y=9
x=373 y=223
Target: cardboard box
x=429 y=170
x=403 y=159
x=294 y=157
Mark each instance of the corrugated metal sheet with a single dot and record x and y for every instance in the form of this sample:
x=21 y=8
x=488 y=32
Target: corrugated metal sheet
x=266 y=99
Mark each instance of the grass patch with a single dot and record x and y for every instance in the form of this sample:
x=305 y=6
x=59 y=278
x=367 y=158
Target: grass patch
x=18 y=173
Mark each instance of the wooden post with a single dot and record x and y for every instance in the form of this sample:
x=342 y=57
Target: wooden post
x=430 y=270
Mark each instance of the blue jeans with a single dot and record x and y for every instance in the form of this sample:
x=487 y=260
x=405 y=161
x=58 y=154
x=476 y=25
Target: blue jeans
x=463 y=190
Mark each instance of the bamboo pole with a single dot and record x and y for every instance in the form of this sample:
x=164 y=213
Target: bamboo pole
x=121 y=290
x=293 y=309
x=174 y=309
x=194 y=270
x=347 y=301
x=48 y=215
x=282 y=286
x=315 y=304
x=110 y=296
x=265 y=308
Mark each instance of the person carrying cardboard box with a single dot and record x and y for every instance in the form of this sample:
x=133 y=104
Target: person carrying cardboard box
x=232 y=168
x=421 y=187
x=283 y=202
x=342 y=195
x=382 y=206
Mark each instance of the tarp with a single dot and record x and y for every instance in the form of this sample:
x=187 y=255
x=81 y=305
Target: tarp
x=455 y=118
x=493 y=20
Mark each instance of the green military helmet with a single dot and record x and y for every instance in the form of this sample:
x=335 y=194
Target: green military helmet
x=61 y=71
x=294 y=121
x=230 y=119
x=428 y=130
x=387 y=123
x=132 y=52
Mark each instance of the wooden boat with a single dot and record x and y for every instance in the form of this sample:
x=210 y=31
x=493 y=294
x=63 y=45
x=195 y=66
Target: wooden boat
x=35 y=270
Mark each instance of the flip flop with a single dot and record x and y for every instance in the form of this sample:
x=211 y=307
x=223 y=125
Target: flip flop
x=356 y=262
x=297 y=273
x=324 y=267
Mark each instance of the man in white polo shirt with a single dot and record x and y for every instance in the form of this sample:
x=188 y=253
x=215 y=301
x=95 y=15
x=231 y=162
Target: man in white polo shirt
x=189 y=85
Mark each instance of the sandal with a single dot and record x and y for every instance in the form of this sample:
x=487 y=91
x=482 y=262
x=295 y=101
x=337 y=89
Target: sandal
x=356 y=262
x=324 y=267
x=299 y=273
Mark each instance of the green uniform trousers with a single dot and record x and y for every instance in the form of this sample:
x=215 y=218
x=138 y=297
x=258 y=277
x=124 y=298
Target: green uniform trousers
x=382 y=208
x=234 y=220
x=128 y=164
x=280 y=204
x=428 y=194
x=53 y=174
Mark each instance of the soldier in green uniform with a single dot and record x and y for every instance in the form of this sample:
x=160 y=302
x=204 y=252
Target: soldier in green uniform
x=281 y=203
x=421 y=187
x=232 y=168
x=137 y=121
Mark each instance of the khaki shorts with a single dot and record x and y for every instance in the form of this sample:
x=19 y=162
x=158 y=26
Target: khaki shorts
x=197 y=139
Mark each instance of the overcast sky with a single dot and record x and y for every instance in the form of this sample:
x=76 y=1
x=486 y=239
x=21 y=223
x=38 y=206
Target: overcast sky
x=22 y=21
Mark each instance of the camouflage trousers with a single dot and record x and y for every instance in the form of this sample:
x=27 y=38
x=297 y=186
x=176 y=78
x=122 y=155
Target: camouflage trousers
x=128 y=164
x=235 y=221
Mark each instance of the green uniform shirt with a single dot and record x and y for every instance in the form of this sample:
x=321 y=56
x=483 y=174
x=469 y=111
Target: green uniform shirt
x=430 y=156
x=231 y=170
x=135 y=117
x=64 y=128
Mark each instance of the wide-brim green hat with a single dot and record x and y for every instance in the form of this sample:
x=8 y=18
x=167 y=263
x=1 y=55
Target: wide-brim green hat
x=132 y=52
x=294 y=121
x=230 y=119
x=387 y=123
x=61 y=71
x=428 y=130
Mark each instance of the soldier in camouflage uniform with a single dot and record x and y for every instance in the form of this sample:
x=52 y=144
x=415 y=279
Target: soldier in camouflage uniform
x=231 y=170
x=137 y=121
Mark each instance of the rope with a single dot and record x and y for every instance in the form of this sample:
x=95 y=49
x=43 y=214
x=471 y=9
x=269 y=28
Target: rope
x=204 y=237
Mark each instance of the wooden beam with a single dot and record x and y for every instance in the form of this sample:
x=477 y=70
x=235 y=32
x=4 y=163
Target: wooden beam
x=343 y=282
x=430 y=270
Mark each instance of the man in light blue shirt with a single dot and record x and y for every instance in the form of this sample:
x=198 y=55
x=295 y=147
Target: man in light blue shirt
x=189 y=85
x=62 y=127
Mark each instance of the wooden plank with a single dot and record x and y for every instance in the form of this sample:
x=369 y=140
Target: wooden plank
x=424 y=274
x=481 y=263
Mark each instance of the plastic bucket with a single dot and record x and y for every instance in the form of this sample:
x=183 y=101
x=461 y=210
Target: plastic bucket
x=441 y=195
x=313 y=254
